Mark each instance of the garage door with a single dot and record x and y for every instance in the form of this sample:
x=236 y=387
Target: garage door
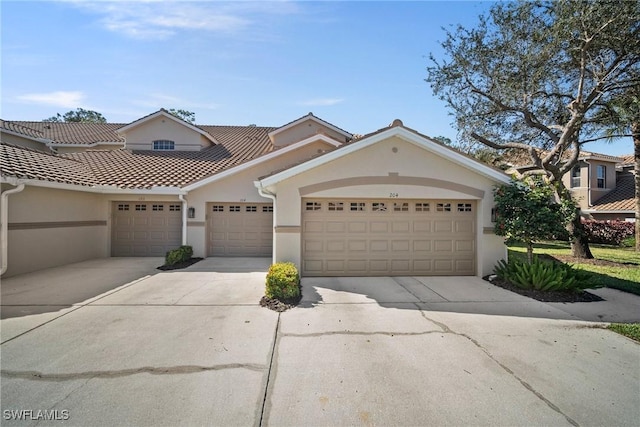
x=145 y=228
x=240 y=229
x=354 y=237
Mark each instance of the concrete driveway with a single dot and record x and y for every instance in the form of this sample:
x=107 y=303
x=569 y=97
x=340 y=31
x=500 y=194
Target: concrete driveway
x=193 y=347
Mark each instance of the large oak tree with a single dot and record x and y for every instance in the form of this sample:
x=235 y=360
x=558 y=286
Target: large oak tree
x=535 y=77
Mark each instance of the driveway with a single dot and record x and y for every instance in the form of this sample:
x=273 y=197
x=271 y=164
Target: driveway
x=193 y=347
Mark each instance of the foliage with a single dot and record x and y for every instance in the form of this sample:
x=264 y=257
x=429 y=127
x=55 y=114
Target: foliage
x=537 y=76
x=175 y=256
x=80 y=115
x=187 y=116
x=543 y=276
x=283 y=281
x=608 y=232
x=614 y=267
x=526 y=212
x=630 y=330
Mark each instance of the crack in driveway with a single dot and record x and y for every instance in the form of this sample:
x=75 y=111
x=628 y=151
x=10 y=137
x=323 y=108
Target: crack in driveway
x=163 y=370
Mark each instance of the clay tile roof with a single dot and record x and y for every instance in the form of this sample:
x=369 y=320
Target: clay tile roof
x=620 y=198
x=628 y=159
x=18 y=128
x=26 y=163
x=145 y=169
x=76 y=133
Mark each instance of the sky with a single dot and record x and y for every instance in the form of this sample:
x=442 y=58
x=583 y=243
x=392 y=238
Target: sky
x=358 y=65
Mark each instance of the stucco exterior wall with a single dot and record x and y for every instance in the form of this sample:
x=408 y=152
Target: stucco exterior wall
x=410 y=172
x=303 y=131
x=141 y=137
x=23 y=142
x=238 y=187
x=50 y=227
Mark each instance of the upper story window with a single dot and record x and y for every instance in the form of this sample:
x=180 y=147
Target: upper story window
x=601 y=176
x=164 y=144
x=575 y=176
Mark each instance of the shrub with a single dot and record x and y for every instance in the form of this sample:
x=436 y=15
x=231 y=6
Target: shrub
x=283 y=281
x=183 y=253
x=608 y=232
x=544 y=276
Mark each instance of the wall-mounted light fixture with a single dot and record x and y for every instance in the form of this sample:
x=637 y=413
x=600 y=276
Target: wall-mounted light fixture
x=494 y=217
x=191 y=212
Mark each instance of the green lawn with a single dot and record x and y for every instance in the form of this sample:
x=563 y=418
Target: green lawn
x=631 y=330
x=624 y=275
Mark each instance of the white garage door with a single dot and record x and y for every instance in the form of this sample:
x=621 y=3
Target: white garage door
x=355 y=237
x=145 y=228
x=240 y=229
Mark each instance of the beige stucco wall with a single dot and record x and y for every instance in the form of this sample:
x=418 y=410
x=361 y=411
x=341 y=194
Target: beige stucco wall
x=381 y=160
x=23 y=142
x=303 y=131
x=141 y=137
x=238 y=187
x=51 y=227
x=81 y=148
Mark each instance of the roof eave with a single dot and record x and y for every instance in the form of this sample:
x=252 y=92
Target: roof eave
x=303 y=119
x=398 y=131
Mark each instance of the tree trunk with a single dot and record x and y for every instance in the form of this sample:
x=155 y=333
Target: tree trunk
x=530 y=252
x=635 y=130
x=579 y=241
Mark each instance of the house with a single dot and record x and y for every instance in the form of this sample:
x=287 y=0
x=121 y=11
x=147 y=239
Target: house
x=603 y=186
x=393 y=202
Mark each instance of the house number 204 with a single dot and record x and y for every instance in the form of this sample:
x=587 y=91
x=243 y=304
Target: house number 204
x=393 y=195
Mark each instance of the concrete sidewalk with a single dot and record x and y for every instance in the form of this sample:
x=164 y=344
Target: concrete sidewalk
x=193 y=347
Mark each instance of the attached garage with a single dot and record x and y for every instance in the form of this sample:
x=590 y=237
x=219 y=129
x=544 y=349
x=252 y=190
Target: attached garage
x=239 y=229
x=378 y=237
x=145 y=228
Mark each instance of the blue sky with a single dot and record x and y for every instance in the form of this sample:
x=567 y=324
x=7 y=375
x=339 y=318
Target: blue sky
x=358 y=65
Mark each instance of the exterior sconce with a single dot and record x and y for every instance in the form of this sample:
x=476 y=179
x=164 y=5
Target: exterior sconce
x=191 y=212
x=493 y=215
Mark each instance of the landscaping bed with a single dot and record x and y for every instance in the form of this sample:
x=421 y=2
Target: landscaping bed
x=278 y=305
x=545 y=296
x=180 y=265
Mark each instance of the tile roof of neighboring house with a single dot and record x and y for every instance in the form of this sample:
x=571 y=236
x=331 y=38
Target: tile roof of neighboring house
x=76 y=133
x=628 y=160
x=26 y=163
x=24 y=130
x=620 y=198
x=145 y=169
x=310 y=114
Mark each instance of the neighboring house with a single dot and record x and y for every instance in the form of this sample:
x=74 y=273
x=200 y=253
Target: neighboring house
x=602 y=185
x=393 y=202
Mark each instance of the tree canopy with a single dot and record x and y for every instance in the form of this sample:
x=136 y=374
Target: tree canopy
x=187 y=116
x=538 y=76
x=79 y=115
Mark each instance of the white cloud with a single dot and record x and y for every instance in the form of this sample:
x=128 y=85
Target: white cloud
x=161 y=20
x=321 y=102
x=72 y=99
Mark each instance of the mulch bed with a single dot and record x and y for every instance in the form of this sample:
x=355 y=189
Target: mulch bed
x=553 y=296
x=179 y=265
x=280 y=306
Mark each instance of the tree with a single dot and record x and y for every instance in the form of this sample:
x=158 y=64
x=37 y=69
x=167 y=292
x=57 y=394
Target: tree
x=624 y=115
x=534 y=76
x=80 y=115
x=187 y=116
x=526 y=212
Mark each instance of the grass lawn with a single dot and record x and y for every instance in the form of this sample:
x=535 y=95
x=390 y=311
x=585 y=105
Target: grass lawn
x=631 y=330
x=613 y=267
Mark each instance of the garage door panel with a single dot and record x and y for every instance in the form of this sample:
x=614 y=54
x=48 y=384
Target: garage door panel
x=145 y=229
x=406 y=237
x=240 y=229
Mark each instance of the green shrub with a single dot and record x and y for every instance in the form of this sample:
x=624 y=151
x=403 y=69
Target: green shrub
x=183 y=253
x=544 y=276
x=283 y=281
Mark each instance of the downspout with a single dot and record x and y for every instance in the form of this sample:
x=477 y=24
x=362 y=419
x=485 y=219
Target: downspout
x=184 y=219
x=4 y=217
x=266 y=194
